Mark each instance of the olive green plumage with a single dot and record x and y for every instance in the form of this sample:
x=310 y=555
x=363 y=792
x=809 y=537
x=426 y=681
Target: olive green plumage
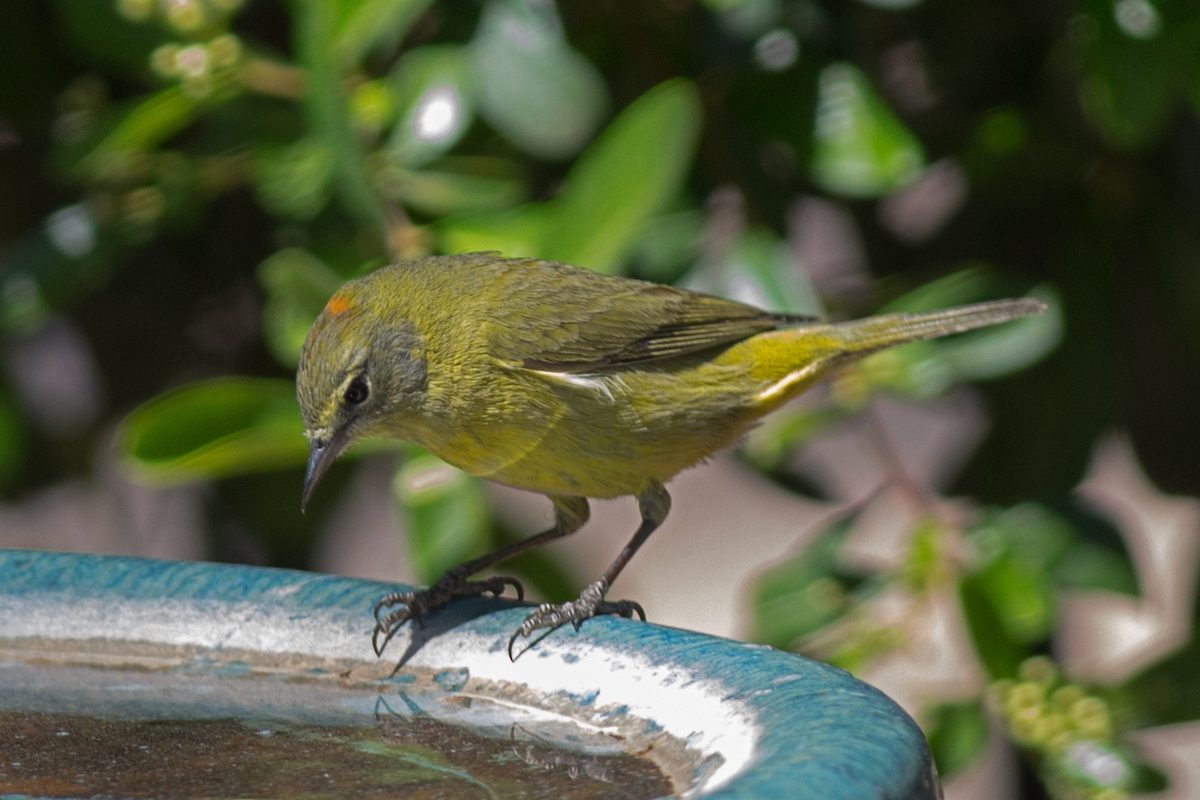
x=564 y=381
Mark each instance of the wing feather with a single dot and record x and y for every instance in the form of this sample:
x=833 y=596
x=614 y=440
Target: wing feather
x=578 y=321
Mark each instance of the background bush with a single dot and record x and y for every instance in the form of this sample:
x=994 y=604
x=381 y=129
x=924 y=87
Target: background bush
x=184 y=183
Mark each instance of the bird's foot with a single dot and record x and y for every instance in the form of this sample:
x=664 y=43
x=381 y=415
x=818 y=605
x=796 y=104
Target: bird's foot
x=590 y=603
x=400 y=607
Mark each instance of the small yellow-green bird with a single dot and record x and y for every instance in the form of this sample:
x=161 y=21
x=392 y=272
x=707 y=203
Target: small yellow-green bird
x=566 y=382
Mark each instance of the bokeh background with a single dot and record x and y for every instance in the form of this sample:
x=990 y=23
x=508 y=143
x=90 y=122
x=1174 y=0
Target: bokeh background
x=999 y=529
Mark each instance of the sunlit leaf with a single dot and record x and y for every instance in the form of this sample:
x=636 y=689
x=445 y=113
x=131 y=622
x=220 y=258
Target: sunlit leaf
x=518 y=232
x=139 y=126
x=533 y=88
x=763 y=270
x=1094 y=765
x=632 y=169
x=213 y=429
x=997 y=650
x=957 y=734
x=435 y=93
x=966 y=285
x=297 y=285
x=1017 y=549
x=860 y=148
x=446 y=512
x=1023 y=601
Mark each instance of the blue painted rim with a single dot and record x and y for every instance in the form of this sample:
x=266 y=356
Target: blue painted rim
x=782 y=725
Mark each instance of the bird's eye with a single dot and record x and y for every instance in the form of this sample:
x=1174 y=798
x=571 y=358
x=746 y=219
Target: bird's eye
x=357 y=391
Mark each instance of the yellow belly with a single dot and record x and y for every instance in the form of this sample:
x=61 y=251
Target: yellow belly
x=597 y=435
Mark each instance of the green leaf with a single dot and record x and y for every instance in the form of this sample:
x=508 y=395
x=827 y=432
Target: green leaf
x=967 y=285
x=768 y=445
x=459 y=185
x=1137 y=66
x=770 y=266
x=293 y=181
x=667 y=245
x=137 y=127
x=803 y=594
x=446 y=513
x=297 y=286
x=213 y=429
x=364 y=25
x=533 y=88
x=1146 y=777
x=996 y=649
x=1023 y=601
x=860 y=148
x=1018 y=548
x=329 y=114
x=518 y=232
x=1090 y=566
x=957 y=734
x=628 y=174
x=1030 y=532
x=435 y=93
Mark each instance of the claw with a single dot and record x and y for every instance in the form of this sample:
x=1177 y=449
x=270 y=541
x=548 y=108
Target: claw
x=387 y=600
x=511 y=641
x=391 y=625
x=414 y=605
x=507 y=580
x=626 y=609
x=590 y=603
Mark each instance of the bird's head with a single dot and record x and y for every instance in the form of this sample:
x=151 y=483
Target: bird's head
x=360 y=367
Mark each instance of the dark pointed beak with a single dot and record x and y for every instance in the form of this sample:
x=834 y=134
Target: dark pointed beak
x=321 y=455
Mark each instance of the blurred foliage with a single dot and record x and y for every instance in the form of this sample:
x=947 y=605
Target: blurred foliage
x=185 y=182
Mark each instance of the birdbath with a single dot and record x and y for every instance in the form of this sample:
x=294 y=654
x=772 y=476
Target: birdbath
x=135 y=678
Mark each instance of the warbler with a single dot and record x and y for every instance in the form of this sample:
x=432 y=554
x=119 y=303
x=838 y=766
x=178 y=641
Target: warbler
x=566 y=382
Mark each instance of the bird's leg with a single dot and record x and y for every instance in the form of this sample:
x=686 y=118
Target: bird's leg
x=570 y=513
x=653 y=503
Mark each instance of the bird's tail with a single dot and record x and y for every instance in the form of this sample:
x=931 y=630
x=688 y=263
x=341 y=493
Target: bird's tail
x=860 y=337
x=789 y=360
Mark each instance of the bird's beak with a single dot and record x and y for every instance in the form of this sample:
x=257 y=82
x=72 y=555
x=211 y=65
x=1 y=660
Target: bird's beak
x=321 y=455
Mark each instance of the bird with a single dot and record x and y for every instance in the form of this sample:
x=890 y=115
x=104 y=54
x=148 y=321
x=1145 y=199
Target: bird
x=566 y=382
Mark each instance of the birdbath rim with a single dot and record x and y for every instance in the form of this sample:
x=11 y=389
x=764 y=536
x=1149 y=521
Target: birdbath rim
x=730 y=719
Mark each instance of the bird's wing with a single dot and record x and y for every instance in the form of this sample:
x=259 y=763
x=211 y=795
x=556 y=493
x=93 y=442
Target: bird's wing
x=564 y=319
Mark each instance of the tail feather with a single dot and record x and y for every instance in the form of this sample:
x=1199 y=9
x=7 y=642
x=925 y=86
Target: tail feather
x=861 y=337
x=789 y=360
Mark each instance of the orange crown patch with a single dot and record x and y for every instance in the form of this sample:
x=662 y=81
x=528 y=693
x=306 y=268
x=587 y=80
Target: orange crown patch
x=337 y=305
